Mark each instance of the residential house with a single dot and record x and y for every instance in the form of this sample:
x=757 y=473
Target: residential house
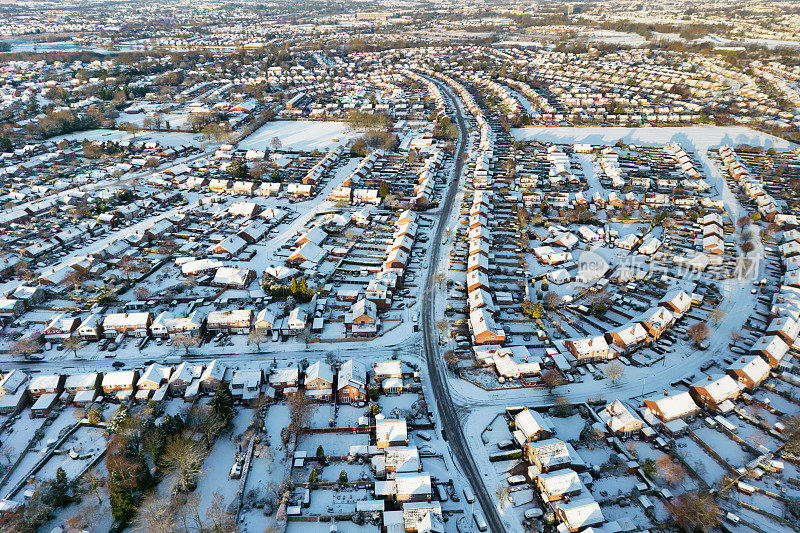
x=589 y=349
x=715 y=392
x=46 y=384
x=319 y=381
x=121 y=381
x=619 y=420
x=559 y=485
x=351 y=383
x=749 y=371
x=129 y=324
x=230 y=321
x=531 y=426
x=390 y=432
x=212 y=377
x=552 y=454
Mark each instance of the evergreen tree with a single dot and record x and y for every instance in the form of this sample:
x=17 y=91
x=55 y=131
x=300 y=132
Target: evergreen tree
x=238 y=170
x=121 y=498
x=321 y=454
x=293 y=286
x=222 y=403
x=5 y=144
x=60 y=487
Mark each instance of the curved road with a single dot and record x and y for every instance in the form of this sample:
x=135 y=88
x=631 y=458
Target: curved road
x=451 y=428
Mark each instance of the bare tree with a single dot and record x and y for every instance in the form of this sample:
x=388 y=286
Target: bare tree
x=142 y=293
x=552 y=300
x=91 y=482
x=304 y=336
x=257 y=336
x=743 y=222
x=300 y=408
x=167 y=246
x=74 y=279
x=219 y=515
x=451 y=360
x=185 y=457
x=503 y=494
x=130 y=266
x=207 y=422
x=439 y=279
x=185 y=341
x=696 y=509
x=698 y=332
x=717 y=315
x=669 y=470
x=72 y=344
x=154 y=516
x=25 y=347
x=551 y=379
x=442 y=327
x=614 y=371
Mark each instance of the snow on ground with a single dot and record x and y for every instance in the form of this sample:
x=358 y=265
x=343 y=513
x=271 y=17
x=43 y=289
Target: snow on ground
x=703 y=464
x=51 y=434
x=302 y=135
x=333 y=443
x=701 y=137
x=569 y=428
x=326 y=527
x=217 y=466
x=86 y=441
x=724 y=446
x=163 y=138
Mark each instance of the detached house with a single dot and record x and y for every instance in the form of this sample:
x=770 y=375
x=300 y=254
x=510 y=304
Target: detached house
x=559 y=485
x=319 y=381
x=716 y=392
x=351 y=383
x=390 y=432
x=749 y=371
x=531 y=426
x=670 y=408
x=677 y=301
x=212 y=377
x=589 y=349
x=552 y=454
x=770 y=347
x=628 y=338
x=619 y=420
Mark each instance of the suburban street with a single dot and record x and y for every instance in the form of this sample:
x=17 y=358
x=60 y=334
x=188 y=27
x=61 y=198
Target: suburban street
x=451 y=428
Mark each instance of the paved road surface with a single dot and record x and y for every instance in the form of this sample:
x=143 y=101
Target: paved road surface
x=451 y=427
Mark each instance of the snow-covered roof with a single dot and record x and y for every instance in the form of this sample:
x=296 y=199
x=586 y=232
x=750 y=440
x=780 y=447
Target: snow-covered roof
x=674 y=405
x=391 y=430
x=319 y=370
x=560 y=482
x=531 y=422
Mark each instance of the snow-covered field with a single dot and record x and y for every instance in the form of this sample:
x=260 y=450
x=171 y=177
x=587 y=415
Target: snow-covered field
x=299 y=135
x=163 y=138
x=701 y=137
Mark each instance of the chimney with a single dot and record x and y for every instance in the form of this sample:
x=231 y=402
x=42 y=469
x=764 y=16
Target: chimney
x=666 y=393
x=742 y=359
x=709 y=378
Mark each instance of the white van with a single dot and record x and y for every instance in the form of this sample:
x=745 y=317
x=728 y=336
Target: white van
x=480 y=521
x=468 y=495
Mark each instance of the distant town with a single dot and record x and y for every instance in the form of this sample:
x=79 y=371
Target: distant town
x=399 y=267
